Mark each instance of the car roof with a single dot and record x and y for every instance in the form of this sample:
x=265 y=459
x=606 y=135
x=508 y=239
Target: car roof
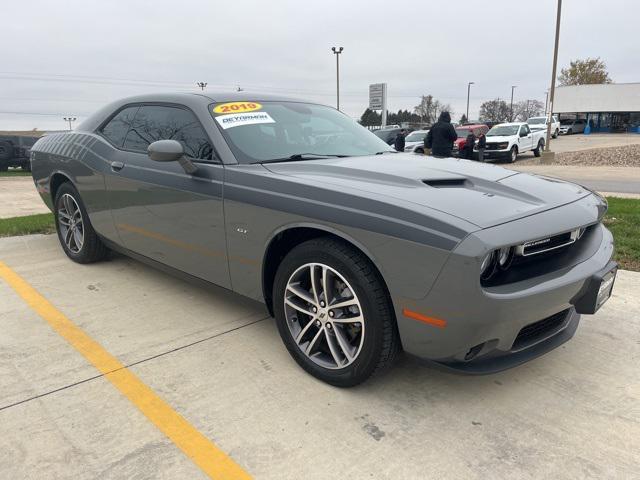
x=510 y=124
x=189 y=99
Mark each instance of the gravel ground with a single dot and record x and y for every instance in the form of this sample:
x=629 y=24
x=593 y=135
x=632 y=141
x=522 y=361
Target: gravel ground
x=621 y=156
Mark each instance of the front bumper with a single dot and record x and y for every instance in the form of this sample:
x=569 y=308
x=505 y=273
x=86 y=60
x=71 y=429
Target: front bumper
x=496 y=153
x=485 y=325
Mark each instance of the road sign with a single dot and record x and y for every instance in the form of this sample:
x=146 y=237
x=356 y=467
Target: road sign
x=377 y=96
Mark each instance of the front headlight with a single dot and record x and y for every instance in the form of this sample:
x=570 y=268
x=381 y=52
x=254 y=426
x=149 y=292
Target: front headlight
x=495 y=260
x=503 y=145
x=488 y=265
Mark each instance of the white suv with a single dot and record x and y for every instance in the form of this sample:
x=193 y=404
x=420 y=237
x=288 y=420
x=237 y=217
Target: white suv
x=540 y=123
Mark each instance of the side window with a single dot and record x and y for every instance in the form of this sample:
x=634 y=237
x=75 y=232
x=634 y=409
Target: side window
x=526 y=129
x=117 y=128
x=156 y=122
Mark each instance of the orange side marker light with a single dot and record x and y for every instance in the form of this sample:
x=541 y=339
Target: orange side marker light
x=435 y=322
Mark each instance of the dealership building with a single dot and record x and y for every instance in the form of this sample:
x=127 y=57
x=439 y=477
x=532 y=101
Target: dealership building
x=610 y=107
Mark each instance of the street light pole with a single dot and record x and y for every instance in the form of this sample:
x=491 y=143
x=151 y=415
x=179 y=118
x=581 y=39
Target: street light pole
x=468 y=92
x=513 y=87
x=69 y=119
x=337 y=52
x=553 y=78
x=202 y=85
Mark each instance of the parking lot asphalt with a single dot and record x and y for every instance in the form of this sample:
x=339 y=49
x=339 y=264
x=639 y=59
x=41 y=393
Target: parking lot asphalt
x=217 y=361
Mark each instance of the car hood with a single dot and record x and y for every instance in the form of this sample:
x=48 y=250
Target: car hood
x=500 y=138
x=413 y=144
x=482 y=194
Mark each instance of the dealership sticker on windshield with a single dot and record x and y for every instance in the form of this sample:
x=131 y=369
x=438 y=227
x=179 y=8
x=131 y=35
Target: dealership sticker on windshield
x=237 y=107
x=236 y=120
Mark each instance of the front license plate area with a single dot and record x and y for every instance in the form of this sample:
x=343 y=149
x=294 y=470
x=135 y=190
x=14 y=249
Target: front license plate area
x=597 y=291
x=605 y=289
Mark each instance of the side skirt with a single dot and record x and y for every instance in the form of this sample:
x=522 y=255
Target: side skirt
x=174 y=272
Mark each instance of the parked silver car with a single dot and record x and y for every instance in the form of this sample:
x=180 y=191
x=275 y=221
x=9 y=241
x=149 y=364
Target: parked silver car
x=358 y=252
x=567 y=127
x=414 y=142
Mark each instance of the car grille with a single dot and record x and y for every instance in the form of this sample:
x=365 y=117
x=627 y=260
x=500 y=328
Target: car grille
x=492 y=146
x=539 y=330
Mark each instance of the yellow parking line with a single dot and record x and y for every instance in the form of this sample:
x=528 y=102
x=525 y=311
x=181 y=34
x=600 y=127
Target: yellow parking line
x=204 y=453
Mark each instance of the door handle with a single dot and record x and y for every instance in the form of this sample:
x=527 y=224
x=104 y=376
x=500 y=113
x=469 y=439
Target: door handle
x=117 y=166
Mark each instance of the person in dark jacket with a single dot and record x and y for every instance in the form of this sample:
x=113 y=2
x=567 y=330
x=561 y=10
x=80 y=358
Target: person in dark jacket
x=482 y=144
x=441 y=137
x=399 y=141
x=469 y=142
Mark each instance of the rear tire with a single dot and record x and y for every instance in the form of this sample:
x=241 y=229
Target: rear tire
x=513 y=154
x=419 y=151
x=77 y=237
x=556 y=133
x=538 y=150
x=342 y=346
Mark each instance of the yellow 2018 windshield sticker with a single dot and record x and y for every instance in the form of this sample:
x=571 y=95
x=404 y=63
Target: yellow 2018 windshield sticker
x=237 y=107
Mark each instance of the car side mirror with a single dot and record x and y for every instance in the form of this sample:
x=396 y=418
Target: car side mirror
x=170 y=151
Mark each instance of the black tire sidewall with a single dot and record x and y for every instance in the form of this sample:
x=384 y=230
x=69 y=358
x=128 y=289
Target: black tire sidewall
x=372 y=347
x=513 y=154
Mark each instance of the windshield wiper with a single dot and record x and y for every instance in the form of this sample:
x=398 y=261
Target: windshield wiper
x=386 y=151
x=302 y=156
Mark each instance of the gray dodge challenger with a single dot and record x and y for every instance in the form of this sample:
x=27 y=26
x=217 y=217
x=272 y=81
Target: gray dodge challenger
x=358 y=252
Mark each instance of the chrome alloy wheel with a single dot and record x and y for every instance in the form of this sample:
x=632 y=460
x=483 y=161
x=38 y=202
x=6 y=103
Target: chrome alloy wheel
x=324 y=316
x=70 y=223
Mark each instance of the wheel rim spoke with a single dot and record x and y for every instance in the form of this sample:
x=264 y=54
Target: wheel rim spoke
x=299 y=292
x=333 y=348
x=314 y=286
x=313 y=342
x=71 y=224
x=298 y=307
x=324 y=316
x=343 y=343
x=304 y=330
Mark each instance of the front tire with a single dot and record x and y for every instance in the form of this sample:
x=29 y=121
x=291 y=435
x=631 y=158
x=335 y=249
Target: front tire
x=77 y=237
x=556 y=133
x=513 y=154
x=333 y=312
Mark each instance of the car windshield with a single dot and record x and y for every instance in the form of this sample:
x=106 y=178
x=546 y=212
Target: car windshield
x=500 y=130
x=416 y=137
x=566 y=122
x=537 y=121
x=266 y=131
x=462 y=132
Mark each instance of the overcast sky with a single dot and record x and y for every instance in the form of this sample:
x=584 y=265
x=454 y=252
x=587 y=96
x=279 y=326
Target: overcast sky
x=70 y=57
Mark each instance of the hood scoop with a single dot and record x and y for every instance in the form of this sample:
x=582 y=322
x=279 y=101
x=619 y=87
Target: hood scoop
x=448 y=182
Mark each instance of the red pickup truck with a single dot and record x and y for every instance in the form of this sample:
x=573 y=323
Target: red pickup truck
x=463 y=131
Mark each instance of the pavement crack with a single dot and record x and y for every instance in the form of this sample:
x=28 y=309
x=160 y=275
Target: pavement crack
x=132 y=364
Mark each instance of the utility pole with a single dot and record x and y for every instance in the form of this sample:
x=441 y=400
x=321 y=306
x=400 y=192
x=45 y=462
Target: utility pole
x=513 y=87
x=553 y=78
x=468 y=92
x=202 y=85
x=69 y=119
x=546 y=102
x=337 y=51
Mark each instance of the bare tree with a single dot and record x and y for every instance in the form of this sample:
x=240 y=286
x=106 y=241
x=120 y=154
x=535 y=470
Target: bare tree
x=526 y=109
x=494 y=111
x=430 y=109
